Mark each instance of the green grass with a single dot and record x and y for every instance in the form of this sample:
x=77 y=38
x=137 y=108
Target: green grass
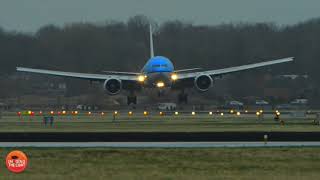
x=155 y=123
x=167 y=164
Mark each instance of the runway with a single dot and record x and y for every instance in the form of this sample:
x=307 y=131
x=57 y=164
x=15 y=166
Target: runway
x=162 y=137
x=156 y=144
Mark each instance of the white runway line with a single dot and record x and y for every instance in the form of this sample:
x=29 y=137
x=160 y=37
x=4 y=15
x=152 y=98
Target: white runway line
x=158 y=144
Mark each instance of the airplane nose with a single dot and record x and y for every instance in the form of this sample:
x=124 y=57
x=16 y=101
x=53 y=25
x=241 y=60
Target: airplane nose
x=162 y=77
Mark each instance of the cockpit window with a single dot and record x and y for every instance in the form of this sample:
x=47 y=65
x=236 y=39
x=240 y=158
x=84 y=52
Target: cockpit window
x=159 y=65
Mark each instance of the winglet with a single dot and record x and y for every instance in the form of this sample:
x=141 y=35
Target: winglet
x=151 y=42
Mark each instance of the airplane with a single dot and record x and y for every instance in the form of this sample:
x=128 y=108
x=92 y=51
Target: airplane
x=158 y=73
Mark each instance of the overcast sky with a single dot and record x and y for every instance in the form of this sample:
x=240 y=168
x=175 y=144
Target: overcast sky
x=29 y=15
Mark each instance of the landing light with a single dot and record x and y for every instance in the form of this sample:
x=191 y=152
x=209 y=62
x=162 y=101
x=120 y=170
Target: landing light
x=142 y=78
x=174 y=77
x=160 y=84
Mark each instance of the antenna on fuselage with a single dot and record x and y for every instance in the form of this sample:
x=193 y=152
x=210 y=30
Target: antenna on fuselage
x=151 y=42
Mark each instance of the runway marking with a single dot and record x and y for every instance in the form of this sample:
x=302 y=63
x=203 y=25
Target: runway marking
x=158 y=144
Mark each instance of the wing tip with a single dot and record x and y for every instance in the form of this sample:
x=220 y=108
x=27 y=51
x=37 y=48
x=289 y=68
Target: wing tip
x=287 y=59
x=20 y=68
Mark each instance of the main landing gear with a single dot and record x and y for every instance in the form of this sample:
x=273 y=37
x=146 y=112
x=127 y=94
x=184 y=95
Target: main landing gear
x=132 y=99
x=183 y=97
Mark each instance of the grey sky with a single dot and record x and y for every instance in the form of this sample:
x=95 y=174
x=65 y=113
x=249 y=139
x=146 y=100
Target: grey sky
x=29 y=15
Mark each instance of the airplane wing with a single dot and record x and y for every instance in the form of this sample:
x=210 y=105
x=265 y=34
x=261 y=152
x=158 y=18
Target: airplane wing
x=87 y=76
x=186 y=70
x=223 y=71
x=121 y=72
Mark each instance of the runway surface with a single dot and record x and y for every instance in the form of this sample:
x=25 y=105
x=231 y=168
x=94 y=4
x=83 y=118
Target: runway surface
x=162 y=137
x=156 y=144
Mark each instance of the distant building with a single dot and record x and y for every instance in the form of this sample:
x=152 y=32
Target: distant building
x=3 y=106
x=279 y=93
x=293 y=76
x=233 y=105
x=167 y=106
x=299 y=102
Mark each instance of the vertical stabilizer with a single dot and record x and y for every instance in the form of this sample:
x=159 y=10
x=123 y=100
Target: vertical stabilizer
x=151 y=42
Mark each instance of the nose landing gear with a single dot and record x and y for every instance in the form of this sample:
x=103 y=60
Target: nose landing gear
x=183 y=97
x=160 y=93
x=132 y=98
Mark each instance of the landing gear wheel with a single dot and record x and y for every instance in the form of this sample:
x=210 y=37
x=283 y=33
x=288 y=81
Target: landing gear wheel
x=131 y=100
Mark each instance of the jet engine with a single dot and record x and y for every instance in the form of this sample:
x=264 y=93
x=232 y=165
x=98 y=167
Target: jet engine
x=112 y=86
x=203 y=82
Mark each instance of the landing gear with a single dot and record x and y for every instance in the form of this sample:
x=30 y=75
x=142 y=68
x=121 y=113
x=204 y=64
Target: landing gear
x=160 y=93
x=183 y=97
x=132 y=99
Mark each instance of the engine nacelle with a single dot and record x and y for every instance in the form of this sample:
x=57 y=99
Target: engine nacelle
x=112 y=86
x=203 y=82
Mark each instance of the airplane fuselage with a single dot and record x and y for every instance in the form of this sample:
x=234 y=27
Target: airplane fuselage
x=158 y=71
